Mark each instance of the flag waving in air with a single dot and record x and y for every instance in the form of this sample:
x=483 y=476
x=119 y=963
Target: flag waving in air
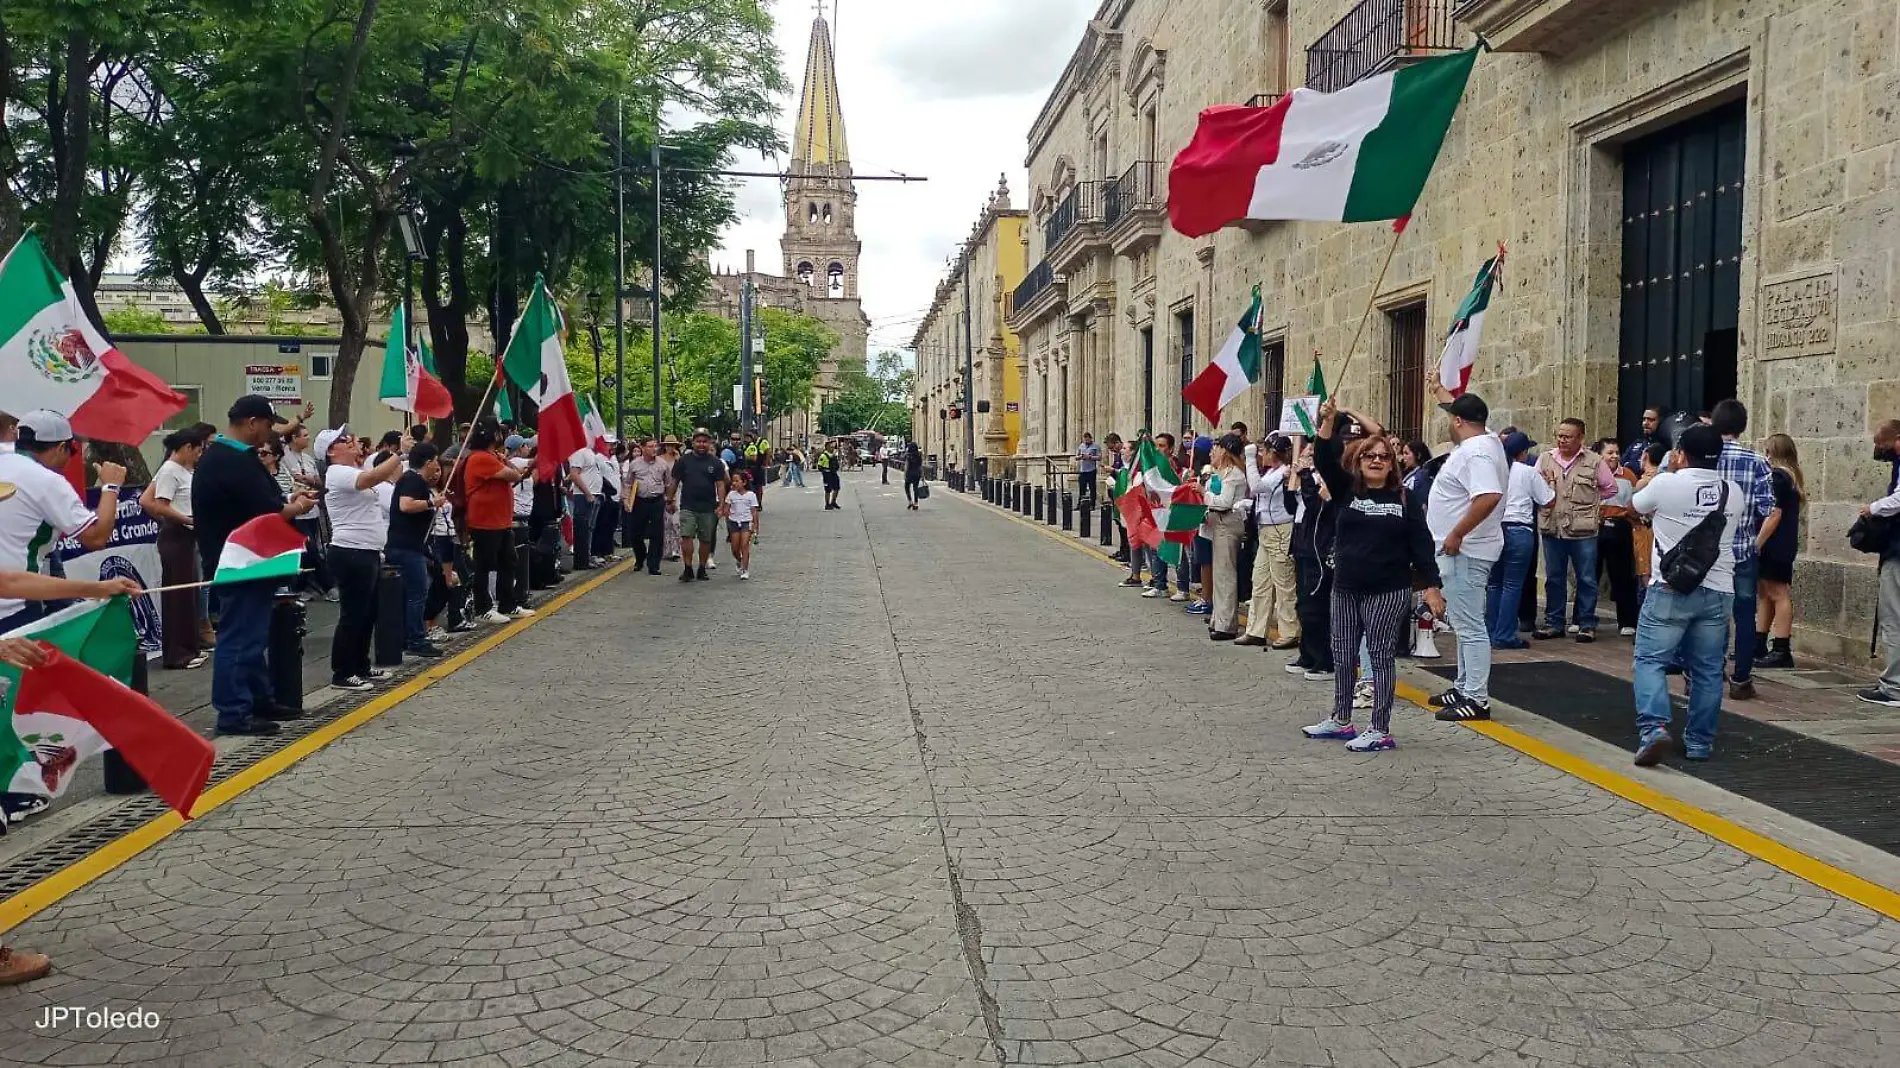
x=409 y=382
x=595 y=426
x=1159 y=510
x=1356 y=155
x=1467 y=326
x=1234 y=370
x=1316 y=387
x=536 y=362
x=51 y=357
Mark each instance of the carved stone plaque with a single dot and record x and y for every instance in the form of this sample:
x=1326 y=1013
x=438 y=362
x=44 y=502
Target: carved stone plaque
x=1799 y=316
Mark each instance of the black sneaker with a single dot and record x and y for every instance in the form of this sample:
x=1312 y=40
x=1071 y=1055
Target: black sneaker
x=354 y=683
x=426 y=650
x=1585 y=637
x=1464 y=709
x=256 y=728
x=1544 y=634
x=702 y=576
x=278 y=713
x=1874 y=695
x=686 y=575
x=1444 y=700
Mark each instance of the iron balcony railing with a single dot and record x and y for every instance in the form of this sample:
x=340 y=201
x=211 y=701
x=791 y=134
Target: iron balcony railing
x=1264 y=100
x=1032 y=286
x=1142 y=185
x=1083 y=204
x=1374 y=34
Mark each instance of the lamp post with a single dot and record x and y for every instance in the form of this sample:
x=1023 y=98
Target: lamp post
x=409 y=224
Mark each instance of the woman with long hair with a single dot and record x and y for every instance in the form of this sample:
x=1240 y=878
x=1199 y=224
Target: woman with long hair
x=1227 y=524
x=1381 y=530
x=1774 y=607
x=913 y=472
x=168 y=500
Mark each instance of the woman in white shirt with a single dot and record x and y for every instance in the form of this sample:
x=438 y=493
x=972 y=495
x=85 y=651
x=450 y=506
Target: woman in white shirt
x=168 y=500
x=1525 y=492
x=1227 y=504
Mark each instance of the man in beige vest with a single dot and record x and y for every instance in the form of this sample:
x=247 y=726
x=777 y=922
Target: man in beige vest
x=1569 y=524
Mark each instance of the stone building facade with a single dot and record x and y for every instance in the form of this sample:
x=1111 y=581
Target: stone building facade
x=989 y=265
x=820 y=248
x=1701 y=199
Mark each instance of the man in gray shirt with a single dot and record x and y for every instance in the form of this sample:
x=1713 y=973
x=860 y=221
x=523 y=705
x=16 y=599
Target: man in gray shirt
x=643 y=485
x=1088 y=455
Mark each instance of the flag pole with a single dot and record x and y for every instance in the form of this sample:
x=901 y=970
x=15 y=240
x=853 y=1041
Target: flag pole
x=480 y=410
x=1398 y=231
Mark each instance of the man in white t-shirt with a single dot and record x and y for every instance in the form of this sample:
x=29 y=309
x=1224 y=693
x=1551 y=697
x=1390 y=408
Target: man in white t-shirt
x=359 y=527
x=584 y=485
x=1692 y=627
x=38 y=507
x=1466 y=522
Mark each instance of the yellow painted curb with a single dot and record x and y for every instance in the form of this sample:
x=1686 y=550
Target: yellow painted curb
x=1820 y=873
x=27 y=903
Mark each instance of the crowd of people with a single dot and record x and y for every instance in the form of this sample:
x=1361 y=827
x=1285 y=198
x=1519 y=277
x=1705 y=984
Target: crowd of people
x=1341 y=544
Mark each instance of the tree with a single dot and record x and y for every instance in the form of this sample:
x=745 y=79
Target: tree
x=867 y=401
x=701 y=358
x=134 y=319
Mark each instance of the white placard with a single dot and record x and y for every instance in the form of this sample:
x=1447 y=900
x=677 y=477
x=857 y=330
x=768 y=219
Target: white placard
x=1289 y=414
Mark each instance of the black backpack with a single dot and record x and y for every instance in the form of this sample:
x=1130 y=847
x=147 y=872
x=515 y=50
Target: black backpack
x=1686 y=564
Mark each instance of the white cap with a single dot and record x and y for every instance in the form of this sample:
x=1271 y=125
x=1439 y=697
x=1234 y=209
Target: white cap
x=327 y=438
x=44 y=427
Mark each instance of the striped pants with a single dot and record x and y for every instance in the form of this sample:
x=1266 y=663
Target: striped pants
x=1376 y=617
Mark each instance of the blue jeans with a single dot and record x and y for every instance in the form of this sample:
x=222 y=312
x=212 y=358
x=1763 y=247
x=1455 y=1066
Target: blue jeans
x=1464 y=587
x=583 y=512
x=1579 y=554
x=1692 y=627
x=1747 y=572
x=1158 y=569
x=240 y=678
x=794 y=474
x=413 y=566
x=1505 y=590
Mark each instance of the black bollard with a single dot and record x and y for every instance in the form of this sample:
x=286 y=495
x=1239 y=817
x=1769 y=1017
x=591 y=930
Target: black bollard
x=120 y=778
x=1068 y=510
x=288 y=625
x=1038 y=504
x=1082 y=521
x=1108 y=526
x=389 y=634
x=524 y=560
x=1055 y=507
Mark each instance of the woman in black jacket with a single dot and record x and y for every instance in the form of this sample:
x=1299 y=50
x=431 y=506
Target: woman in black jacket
x=1381 y=541
x=1312 y=549
x=913 y=472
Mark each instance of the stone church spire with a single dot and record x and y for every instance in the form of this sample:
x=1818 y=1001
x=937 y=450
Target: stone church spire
x=821 y=244
x=819 y=140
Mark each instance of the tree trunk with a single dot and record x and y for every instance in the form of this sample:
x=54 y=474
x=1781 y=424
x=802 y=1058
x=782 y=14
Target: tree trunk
x=194 y=288
x=448 y=317
x=72 y=144
x=10 y=210
x=128 y=456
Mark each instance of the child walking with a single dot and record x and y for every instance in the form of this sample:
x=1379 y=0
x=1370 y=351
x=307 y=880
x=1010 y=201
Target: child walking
x=742 y=506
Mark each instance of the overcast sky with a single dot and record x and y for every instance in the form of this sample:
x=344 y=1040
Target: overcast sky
x=946 y=91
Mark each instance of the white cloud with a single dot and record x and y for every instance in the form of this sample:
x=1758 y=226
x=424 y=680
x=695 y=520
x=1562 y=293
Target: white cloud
x=942 y=91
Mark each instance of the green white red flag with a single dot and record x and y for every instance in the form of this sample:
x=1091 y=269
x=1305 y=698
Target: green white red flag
x=268 y=547
x=409 y=382
x=1234 y=370
x=1467 y=326
x=595 y=426
x=1159 y=510
x=78 y=704
x=1360 y=154
x=1315 y=387
x=536 y=362
x=51 y=357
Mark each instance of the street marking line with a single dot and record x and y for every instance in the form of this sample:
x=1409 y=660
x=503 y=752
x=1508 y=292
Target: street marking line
x=29 y=902
x=1796 y=863
x=1761 y=847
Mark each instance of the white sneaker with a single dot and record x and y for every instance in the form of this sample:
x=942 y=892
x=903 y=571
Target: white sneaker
x=1295 y=668
x=1316 y=675
x=436 y=634
x=1177 y=595
x=492 y=616
x=712 y=565
x=1151 y=592
x=521 y=613
x=1372 y=741
x=1627 y=632
x=1330 y=728
x=744 y=574
x=1572 y=629
x=1362 y=695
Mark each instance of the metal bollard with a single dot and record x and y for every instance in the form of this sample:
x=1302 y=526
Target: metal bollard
x=120 y=778
x=288 y=625
x=1082 y=521
x=389 y=635
x=1055 y=507
x=1108 y=526
x=1068 y=510
x=1038 y=511
x=1015 y=496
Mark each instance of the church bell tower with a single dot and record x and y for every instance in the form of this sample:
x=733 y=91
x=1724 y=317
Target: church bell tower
x=820 y=245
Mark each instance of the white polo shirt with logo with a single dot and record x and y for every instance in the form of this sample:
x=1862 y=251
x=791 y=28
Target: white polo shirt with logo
x=38 y=507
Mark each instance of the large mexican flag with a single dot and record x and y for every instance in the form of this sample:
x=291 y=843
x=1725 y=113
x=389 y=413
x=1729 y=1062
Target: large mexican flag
x=51 y=357
x=536 y=362
x=1356 y=155
x=78 y=704
x=409 y=381
x=1159 y=510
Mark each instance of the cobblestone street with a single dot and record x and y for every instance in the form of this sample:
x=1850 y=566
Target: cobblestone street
x=928 y=790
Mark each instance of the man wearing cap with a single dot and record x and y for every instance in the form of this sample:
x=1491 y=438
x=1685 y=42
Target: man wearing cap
x=38 y=506
x=230 y=487
x=1525 y=493
x=359 y=530
x=1690 y=628
x=697 y=490
x=645 y=487
x=1466 y=523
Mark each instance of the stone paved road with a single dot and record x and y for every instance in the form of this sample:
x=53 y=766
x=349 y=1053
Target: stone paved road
x=921 y=793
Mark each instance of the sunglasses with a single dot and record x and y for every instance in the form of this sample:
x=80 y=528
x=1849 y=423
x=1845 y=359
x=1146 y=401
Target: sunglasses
x=1383 y=457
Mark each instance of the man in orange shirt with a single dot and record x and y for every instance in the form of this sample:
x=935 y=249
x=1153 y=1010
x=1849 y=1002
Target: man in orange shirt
x=490 y=483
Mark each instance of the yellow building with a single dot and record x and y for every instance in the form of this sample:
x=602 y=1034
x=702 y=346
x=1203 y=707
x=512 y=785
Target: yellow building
x=986 y=269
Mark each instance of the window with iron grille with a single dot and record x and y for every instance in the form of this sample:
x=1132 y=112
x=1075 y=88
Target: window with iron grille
x=1272 y=383
x=1405 y=377
x=1184 y=327
x=1148 y=378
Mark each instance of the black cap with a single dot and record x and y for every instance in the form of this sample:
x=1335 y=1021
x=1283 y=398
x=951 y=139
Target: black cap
x=1700 y=442
x=1470 y=407
x=252 y=406
x=1232 y=443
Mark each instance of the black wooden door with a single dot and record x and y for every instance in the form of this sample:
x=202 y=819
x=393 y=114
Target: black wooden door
x=1681 y=279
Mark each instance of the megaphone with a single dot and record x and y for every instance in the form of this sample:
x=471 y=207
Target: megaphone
x=1423 y=647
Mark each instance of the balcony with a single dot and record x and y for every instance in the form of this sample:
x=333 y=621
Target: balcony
x=1377 y=36
x=1264 y=100
x=1135 y=207
x=1035 y=299
x=1074 y=228
x=1553 y=27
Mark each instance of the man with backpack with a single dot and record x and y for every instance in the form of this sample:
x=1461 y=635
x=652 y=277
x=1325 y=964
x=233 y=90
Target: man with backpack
x=1692 y=509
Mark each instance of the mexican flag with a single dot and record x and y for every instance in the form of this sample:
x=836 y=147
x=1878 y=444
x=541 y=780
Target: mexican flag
x=51 y=357
x=1359 y=154
x=78 y=704
x=1467 y=326
x=595 y=426
x=536 y=362
x=409 y=381
x=1234 y=370
x=1158 y=509
x=268 y=547
x=1315 y=387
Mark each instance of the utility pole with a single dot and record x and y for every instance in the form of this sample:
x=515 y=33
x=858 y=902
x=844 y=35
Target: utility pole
x=620 y=280
x=656 y=277
x=969 y=379
x=745 y=344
